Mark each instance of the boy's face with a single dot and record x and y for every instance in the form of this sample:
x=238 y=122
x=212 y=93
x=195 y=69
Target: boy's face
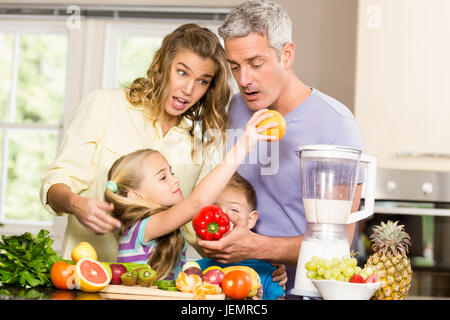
x=234 y=200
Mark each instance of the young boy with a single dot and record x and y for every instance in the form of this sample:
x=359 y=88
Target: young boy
x=239 y=196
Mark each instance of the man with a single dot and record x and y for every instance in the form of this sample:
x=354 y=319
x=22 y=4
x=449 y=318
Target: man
x=260 y=51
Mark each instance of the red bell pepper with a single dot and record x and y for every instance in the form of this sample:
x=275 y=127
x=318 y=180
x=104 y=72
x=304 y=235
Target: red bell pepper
x=211 y=223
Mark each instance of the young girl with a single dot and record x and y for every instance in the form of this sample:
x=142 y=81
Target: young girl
x=149 y=203
x=186 y=88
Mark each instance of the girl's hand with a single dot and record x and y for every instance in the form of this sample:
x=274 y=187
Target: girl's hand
x=92 y=213
x=252 y=134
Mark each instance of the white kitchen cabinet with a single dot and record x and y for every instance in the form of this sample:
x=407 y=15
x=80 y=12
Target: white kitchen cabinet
x=402 y=93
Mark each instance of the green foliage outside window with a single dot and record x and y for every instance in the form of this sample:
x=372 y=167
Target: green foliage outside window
x=40 y=90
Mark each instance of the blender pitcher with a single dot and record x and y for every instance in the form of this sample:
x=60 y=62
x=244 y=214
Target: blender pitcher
x=329 y=176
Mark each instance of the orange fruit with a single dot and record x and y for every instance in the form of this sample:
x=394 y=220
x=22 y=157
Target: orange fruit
x=280 y=128
x=83 y=250
x=205 y=288
x=186 y=283
x=61 y=275
x=91 y=275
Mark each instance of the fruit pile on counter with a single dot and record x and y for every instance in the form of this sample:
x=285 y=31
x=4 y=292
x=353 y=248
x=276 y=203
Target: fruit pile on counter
x=29 y=261
x=90 y=275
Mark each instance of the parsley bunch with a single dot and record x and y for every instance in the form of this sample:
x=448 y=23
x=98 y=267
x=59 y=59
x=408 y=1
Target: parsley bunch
x=26 y=260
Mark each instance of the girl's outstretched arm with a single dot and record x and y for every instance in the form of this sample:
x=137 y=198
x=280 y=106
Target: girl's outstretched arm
x=212 y=184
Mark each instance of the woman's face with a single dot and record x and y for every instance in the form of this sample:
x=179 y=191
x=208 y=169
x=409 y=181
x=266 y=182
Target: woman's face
x=190 y=77
x=159 y=185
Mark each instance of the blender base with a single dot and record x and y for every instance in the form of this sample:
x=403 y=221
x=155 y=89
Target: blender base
x=324 y=241
x=305 y=293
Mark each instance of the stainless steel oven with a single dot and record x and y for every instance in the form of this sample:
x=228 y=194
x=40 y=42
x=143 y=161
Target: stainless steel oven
x=420 y=200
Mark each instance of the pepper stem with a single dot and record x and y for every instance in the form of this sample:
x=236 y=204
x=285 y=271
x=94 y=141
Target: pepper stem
x=213 y=227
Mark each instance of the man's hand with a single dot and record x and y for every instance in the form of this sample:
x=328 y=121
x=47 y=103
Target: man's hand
x=235 y=246
x=92 y=213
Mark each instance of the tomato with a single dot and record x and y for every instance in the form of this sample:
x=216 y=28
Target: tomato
x=279 y=130
x=237 y=284
x=62 y=275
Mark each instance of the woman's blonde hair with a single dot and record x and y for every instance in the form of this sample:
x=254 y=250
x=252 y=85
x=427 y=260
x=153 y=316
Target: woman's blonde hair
x=151 y=91
x=127 y=174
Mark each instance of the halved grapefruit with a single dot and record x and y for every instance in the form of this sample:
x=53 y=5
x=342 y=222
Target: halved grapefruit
x=91 y=275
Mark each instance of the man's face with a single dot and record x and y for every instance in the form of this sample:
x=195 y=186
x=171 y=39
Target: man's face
x=257 y=70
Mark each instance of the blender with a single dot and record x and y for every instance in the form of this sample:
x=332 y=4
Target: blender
x=329 y=176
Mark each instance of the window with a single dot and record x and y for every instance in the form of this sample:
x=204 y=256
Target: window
x=32 y=92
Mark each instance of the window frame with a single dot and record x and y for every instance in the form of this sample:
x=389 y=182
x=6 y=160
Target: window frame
x=20 y=26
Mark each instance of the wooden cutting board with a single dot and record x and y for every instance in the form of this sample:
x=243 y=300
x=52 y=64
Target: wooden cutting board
x=140 y=293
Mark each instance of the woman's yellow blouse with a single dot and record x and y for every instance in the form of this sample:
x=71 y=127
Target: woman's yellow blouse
x=105 y=127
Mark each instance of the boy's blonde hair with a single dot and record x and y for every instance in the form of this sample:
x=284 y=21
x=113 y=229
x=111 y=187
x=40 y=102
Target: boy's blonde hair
x=127 y=174
x=239 y=182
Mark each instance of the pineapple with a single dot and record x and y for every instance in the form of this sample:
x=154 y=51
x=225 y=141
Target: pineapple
x=390 y=244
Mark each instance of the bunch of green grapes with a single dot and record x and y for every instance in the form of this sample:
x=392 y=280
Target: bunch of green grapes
x=332 y=269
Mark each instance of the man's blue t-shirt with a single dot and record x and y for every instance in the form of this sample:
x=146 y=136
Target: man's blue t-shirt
x=273 y=168
x=271 y=290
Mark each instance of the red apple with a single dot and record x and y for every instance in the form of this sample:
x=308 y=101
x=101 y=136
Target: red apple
x=213 y=276
x=117 y=270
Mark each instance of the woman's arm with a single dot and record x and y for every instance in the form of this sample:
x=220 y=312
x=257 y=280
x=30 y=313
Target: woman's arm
x=72 y=171
x=212 y=185
x=91 y=212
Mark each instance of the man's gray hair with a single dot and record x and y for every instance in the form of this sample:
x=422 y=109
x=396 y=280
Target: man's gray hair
x=262 y=17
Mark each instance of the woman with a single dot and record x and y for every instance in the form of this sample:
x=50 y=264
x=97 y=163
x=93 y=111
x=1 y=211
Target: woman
x=184 y=94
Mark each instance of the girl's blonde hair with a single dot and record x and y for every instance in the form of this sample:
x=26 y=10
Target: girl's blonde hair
x=127 y=174
x=151 y=91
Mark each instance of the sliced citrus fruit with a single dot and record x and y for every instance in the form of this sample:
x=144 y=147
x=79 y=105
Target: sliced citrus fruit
x=83 y=250
x=206 y=288
x=91 y=275
x=187 y=283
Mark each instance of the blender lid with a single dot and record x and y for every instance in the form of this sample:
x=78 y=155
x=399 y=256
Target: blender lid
x=329 y=151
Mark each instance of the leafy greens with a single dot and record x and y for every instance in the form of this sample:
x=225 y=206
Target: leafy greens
x=26 y=260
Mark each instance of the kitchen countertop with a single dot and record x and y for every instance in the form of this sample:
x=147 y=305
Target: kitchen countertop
x=8 y=292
